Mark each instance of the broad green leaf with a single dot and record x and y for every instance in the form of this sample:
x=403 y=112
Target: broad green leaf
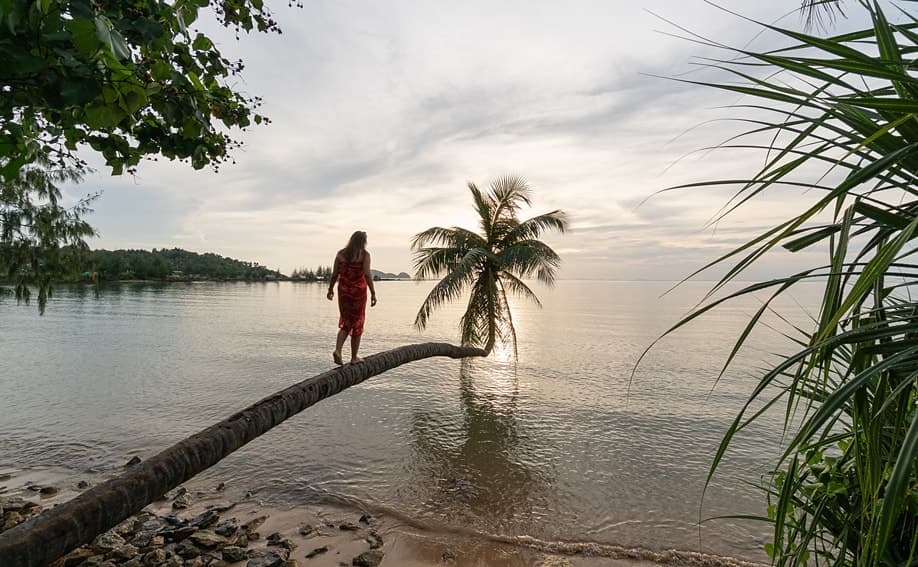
x=85 y=38
x=202 y=43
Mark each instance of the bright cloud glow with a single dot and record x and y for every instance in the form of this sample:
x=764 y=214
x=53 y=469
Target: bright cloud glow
x=382 y=111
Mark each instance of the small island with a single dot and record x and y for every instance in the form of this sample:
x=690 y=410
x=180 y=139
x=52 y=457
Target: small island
x=178 y=265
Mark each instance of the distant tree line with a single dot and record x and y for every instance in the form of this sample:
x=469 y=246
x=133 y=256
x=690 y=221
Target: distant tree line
x=322 y=273
x=175 y=263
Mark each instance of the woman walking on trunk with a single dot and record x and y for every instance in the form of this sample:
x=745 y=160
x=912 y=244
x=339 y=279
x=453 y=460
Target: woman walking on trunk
x=352 y=272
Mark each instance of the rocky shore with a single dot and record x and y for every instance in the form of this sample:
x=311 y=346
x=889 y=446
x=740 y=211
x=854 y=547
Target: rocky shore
x=184 y=531
x=207 y=524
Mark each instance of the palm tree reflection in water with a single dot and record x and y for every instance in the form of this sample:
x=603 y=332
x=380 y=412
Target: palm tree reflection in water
x=480 y=476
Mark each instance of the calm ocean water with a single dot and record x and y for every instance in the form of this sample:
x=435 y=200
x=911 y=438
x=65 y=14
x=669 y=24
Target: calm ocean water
x=560 y=445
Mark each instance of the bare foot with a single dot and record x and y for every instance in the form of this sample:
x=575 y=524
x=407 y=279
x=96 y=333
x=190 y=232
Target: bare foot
x=336 y=356
x=356 y=360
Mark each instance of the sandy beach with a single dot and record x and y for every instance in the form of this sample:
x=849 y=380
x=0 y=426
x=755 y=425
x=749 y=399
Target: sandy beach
x=202 y=525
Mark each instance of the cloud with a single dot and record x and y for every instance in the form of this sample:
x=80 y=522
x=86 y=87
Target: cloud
x=383 y=111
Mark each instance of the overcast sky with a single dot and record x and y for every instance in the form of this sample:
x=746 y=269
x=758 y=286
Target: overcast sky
x=383 y=111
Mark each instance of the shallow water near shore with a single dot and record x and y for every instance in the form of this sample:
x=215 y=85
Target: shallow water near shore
x=560 y=446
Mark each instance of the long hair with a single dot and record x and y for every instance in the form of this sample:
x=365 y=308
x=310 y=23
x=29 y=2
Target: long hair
x=355 y=246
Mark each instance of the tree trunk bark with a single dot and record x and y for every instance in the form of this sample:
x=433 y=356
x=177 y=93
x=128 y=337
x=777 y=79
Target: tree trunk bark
x=55 y=532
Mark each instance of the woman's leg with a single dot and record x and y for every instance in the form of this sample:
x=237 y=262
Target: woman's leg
x=355 y=345
x=339 y=342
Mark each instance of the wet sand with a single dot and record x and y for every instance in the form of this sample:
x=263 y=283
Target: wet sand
x=335 y=536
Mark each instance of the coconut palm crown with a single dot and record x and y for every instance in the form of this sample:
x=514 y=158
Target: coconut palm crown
x=490 y=265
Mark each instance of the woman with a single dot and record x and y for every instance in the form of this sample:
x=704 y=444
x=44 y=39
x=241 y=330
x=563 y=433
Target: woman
x=352 y=272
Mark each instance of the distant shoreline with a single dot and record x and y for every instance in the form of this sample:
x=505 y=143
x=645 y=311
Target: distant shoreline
x=206 y=280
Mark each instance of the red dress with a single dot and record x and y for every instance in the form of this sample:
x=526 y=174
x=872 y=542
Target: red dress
x=352 y=297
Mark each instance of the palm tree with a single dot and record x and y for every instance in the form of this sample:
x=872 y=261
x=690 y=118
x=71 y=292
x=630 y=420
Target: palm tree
x=488 y=265
x=55 y=532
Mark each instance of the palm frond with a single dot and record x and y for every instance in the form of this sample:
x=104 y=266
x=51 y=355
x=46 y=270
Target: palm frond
x=449 y=288
x=517 y=287
x=533 y=228
x=484 y=206
x=481 y=318
x=455 y=237
x=529 y=257
x=508 y=194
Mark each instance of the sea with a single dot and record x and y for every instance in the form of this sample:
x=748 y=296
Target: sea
x=600 y=429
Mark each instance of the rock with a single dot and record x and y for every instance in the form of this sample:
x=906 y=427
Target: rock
x=227 y=528
x=48 y=490
x=14 y=504
x=213 y=559
x=290 y=563
x=178 y=534
x=374 y=539
x=181 y=502
x=282 y=542
x=146 y=532
x=241 y=540
x=33 y=487
x=348 y=527
x=155 y=557
x=208 y=539
x=123 y=553
x=187 y=549
x=82 y=485
x=30 y=509
x=126 y=528
x=267 y=560
x=135 y=460
x=93 y=561
x=108 y=541
x=75 y=557
x=448 y=557
x=133 y=562
x=10 y=519
x=205 y=520
x=221 y=487
x=317 y=551
x=222 y=506
x=365 y=519
x=194 y=562
x=234 y=553
x=305 y=530
x=368 y=559
x=253 y=524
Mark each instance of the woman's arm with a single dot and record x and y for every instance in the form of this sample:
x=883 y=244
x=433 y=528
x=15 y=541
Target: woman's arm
x=368 y=275
x=334 y=277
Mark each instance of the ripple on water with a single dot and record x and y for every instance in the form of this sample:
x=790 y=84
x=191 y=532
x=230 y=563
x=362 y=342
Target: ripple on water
x=565 y=445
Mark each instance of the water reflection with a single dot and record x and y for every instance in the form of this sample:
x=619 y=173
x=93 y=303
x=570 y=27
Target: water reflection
x=479 y=469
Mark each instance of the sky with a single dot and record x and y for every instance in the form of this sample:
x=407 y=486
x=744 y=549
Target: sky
x=382 y=112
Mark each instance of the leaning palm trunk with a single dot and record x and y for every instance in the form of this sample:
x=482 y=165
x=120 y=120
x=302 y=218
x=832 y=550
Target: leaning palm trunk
x=65 y=527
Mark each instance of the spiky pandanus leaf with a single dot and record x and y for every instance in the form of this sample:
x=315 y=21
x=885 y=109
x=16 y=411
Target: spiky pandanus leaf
x=845 y=490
